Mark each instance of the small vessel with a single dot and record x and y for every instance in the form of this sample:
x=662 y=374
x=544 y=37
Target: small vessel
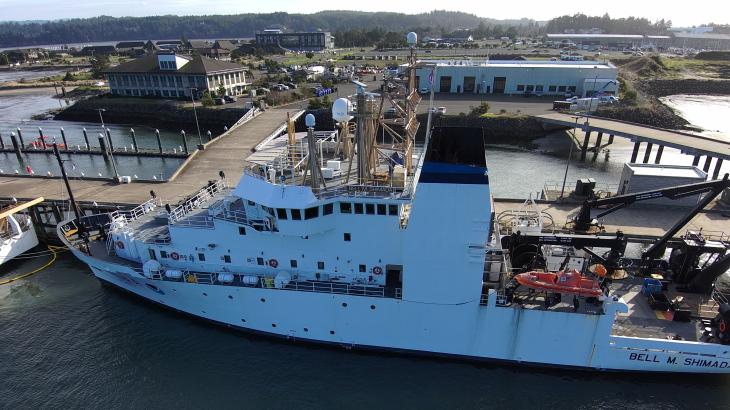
x=16 y=231
x=43 y=142
x=565 y=282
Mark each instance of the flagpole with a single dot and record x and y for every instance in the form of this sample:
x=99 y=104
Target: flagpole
x=430 y=108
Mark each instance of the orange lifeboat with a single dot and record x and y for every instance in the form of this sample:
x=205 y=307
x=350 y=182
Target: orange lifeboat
x=571 y=282
x=40 y=142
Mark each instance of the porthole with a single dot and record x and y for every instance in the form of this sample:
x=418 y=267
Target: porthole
x=273 y=325
x=344 y=304
x=372 y=307
x=230 y=297
x=205 y=294
x=332 y=332
x=306 y=329
x=243 y=320
x=263 y=300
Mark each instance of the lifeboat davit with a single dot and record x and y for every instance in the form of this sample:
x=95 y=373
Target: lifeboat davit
x=570 y=282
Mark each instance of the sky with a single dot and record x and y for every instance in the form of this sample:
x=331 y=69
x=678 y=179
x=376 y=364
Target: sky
x=682 y=13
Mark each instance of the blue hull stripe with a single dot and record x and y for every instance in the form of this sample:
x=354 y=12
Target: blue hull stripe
x=444 y=173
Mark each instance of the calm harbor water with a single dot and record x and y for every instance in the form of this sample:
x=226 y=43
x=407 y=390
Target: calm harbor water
x=68 y=342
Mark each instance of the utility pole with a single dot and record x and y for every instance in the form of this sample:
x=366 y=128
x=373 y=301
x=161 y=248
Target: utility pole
x=74 y=205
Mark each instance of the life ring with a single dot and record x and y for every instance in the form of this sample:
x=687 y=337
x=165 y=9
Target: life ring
x=273 y=263
x=377 y=270
x=120 y=244
x=722 y=326
x=175 y=256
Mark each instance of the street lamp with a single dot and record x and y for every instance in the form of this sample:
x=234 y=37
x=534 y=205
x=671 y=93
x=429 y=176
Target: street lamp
x=100 y=110
x=108 y=137
x=195 y=113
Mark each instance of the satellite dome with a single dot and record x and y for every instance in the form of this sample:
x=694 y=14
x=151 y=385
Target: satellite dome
x=341 y=110
x=309 y=120
x=412 y=39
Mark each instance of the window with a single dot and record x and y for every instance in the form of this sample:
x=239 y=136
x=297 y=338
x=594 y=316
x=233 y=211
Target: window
x=281 y=213
x=320 y=265
x=539 y=88
x=251 y=203
x=347 y=237
x=520 y=87
x=562 y=88
x=242 y=230
x=381 y=209
x=296 y=214
x=260 y=261
x=201 y=257
x=358 y=208
x=345 y=208
x=163 y=254
x=370 y=209
x=530 y=88
x=392 y=209
x=311 y=213
x=152 y=253
x=363 y=268
x=552 y=88
x=327 y=209
x=571 y=88
x=227 y=258
x=293 y=263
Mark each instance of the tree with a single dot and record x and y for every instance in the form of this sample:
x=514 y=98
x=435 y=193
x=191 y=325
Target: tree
x=4 y=59
x=309 y=55
x=482 y=109
x=69 y=76
x=206 y=99
x=98 y=65
x=221 y=90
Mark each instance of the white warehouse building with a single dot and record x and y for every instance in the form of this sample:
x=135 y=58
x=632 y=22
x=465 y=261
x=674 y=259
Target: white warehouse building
x=541 y=77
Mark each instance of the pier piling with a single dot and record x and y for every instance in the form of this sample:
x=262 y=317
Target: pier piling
x=159 y=143
x=599 y=137
x=63 y=137
x=2 y=143
x=584 y=148
x=111 y=144
x=134 y=139
x=696 y=160
x=86 y=139
x=20 y=139
x=40 y=137
x=716 y=172
x=16 y=146
x=635 y=152
x=647 y=154
x=102 y=147
x=184 y=141
x=610 y=138
x=706 y=167
x=210 y=135
x=659 y=152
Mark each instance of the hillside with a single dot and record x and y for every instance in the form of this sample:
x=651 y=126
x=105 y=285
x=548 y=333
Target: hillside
x=104 y=28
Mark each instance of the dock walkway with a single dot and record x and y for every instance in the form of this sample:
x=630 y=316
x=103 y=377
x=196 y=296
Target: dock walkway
x=225 y=153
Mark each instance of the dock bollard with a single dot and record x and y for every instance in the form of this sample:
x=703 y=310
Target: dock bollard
x=16 y=146
x=20 y=139
x=111 y=144
x=210 y=135
x=102 y=147
x=86 y=139
x=63 y=137
x=134 y=139
x=40 y=137
x=185 y=142
x=159 y=143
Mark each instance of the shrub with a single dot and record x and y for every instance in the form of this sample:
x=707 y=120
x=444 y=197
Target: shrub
x=483 y=108
x=206 y=99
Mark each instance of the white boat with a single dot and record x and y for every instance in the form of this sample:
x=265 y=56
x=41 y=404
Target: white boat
x=387 y=256
x=16 y=231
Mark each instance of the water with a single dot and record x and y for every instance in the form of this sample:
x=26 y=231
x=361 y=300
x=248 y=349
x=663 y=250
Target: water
x=709 y=112
x=17 y=109
x=27 y=74
x=67 y=342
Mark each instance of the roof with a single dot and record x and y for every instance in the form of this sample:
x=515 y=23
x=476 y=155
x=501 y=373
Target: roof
x=596 y=36
x=225 y=45
x=522 y=64
x=667 y=171
x=175 y=42
x=99 y=48
x=197 y=65
x=199 y=44
x=130 y=44
x=706 y=36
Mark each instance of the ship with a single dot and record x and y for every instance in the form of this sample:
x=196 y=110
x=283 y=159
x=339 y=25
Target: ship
x=17 y=232
x=365 y=239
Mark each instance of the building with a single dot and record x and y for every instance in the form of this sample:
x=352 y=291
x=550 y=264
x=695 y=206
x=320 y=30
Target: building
x=172 y=75
x=301 y=41
x=541 y=77
x=25 y=55
x=702 y=40
x=131 y=48
x=615 y=41
x=98 y=50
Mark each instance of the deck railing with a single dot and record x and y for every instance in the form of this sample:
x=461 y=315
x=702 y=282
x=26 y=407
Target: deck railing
x=135 y=213
x=197 y=200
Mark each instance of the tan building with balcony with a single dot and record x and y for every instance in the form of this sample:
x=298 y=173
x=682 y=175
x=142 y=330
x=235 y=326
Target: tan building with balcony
x=169 y=75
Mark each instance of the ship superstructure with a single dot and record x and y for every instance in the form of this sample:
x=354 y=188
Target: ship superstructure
x=345 y=239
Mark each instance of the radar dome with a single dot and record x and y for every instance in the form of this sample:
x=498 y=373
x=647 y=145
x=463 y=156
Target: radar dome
x=309 y=120
x=341 y=110
x=412 y=39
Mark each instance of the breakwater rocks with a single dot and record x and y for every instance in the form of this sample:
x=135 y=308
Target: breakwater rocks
x=663 y=88
x=151 y=112
x=654 y=115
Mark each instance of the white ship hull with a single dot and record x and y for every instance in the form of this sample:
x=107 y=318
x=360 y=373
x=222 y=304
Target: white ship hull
x=467 y=330
x=20 y=241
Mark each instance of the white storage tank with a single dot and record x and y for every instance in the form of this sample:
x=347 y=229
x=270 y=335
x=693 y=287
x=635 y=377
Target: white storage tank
x=646 y=177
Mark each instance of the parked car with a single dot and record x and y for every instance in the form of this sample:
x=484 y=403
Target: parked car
x=219 y=101
x=291 y=86
x=438 y=110
x=230 y=99
x=424 y=90
x=282 y=87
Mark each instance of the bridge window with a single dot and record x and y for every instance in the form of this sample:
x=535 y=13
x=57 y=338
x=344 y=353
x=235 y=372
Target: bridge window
x=362 y=268
x=241 y=230
x=381 y=209
x=539 y=88
x=320 y=265
x=358 y=208
x=520 y=87
x=260 y=261
x=347 y=237
x=152 y=253
x=311 y=213
x=370 y=209
x=296 y=214
x=552 y=88
x=327 y=209
x=201 y=257
x=562 y=88
x=393 y=210
x=345 y=208
x=571 y=88
x=163 y=254
x=281 y=213
x=293 y=263
x=227 y=258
